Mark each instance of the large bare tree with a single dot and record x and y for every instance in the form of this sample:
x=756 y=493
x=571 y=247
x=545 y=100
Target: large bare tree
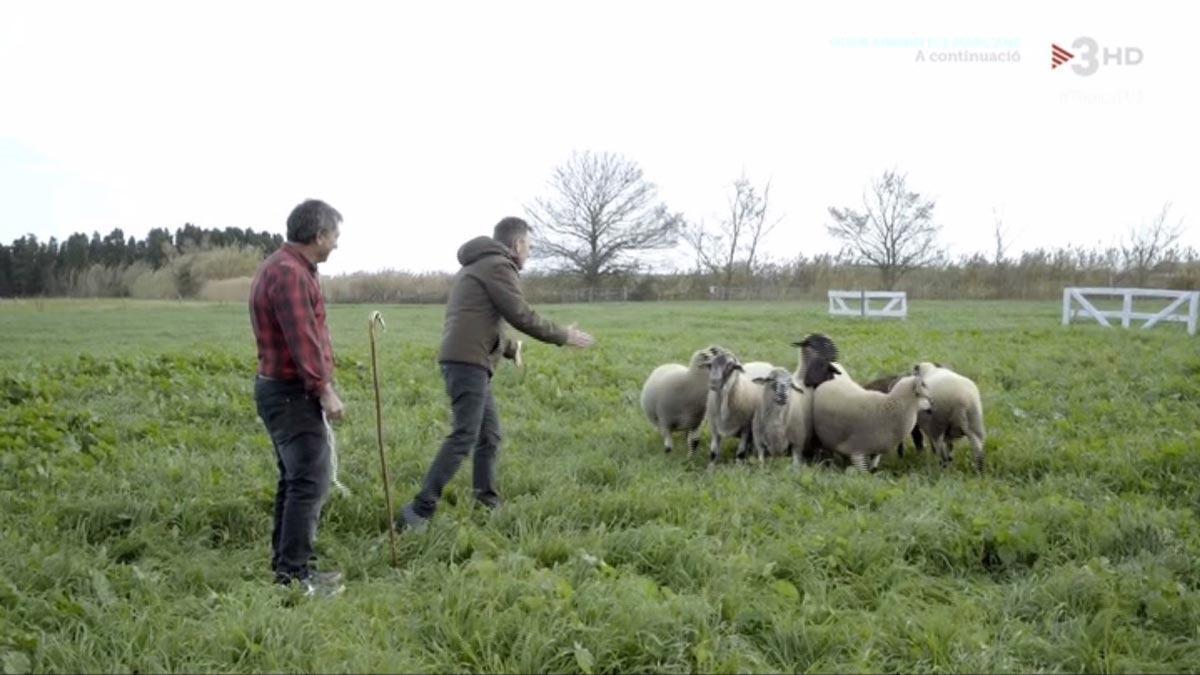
x=734 y=244
x=895 y=231
x=601 y=215
x=1144 y=247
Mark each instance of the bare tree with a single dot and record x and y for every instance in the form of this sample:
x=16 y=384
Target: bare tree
x=602 y=214
x=895 y=232
x=1001 y=274
x=1002 y=241
x=735 y=243
x=1145 y=247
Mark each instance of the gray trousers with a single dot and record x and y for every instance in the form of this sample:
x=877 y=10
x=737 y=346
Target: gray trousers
x=475 y=430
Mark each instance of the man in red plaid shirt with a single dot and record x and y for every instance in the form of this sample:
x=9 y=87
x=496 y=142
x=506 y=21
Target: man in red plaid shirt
x=294 y=388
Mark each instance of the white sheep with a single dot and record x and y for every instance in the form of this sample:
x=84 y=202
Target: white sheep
x=799 y=424
x=769 y=426
x=757 y=370
x=957 y=412
x=783 y=421
x=732 y=399
x=860 y=424
x=884 y=384
x=674 y=398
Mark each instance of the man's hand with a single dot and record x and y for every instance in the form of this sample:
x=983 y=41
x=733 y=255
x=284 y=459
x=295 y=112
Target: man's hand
x=578 y=338
x=331 y=404
x=519 y=358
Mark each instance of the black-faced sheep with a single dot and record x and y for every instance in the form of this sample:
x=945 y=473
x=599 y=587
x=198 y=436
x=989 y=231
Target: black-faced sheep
x=816 y=345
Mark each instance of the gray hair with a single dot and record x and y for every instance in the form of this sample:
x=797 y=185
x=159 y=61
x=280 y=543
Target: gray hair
x=310 y=219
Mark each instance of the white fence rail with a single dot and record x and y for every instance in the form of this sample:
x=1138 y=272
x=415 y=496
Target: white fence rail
x=1175 y=311
x=897 y=305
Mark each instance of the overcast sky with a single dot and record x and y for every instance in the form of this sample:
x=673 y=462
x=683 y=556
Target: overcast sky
x=425 y=122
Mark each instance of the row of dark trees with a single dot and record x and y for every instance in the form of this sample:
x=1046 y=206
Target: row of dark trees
x=29 y=267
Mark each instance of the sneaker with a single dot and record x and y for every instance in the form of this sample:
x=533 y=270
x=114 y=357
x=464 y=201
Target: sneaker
x=322 y=584
x=409 y=520
x=490 y=501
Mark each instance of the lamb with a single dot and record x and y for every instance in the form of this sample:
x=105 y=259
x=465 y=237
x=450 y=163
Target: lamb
x=860 y=424
x=732 y=399
x=783 y=420
x=674 y=398
x=884 y=384
x=770 y=424
x=957 y=412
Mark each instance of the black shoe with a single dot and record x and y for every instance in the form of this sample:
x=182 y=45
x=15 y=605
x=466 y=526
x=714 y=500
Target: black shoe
x=409 y=520
x=491 y=503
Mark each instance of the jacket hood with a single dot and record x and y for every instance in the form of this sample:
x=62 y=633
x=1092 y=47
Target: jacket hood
x=479 y=247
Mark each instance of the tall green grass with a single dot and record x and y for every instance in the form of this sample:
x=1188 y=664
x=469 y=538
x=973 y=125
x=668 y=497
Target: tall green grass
x=136 y=489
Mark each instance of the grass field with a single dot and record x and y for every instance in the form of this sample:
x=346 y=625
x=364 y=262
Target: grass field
x=136 y=490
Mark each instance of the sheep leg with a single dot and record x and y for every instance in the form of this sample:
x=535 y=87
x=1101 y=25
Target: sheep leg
x=918 y=439
x=859 y=461
x=668 y=442
x=875 y=462
x=693 y=442
x=977 y=452
x=946 y=452
x=713 y=448
x=743 y=446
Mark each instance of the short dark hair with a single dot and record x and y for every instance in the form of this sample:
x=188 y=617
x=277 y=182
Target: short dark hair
x=309 y=219
x=509 y=230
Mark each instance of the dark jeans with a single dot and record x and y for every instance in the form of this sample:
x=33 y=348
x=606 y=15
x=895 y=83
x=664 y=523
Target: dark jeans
x=297 y=429
x=475 y=428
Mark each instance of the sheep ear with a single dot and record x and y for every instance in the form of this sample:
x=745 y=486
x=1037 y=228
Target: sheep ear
x=835 y=369
x=799 y=389
x=760 y=380
x=738 y=366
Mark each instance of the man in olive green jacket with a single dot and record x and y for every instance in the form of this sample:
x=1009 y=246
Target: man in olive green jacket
x=485 y=294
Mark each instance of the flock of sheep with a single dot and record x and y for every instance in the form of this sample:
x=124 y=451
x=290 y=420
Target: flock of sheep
x=817 y=412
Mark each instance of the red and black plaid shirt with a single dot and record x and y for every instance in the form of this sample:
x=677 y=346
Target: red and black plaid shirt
x=287 y=313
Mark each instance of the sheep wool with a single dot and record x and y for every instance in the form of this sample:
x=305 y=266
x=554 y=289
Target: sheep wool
x=957 y=412
x=674 y=398
x=860 y=424
x=769 y=426
x=732 y=399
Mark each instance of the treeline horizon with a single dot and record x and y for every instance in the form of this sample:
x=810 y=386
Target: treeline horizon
x=216 y=264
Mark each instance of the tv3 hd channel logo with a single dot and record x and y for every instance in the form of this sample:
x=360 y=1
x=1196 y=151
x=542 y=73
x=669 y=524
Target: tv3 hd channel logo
x=1088 y=56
